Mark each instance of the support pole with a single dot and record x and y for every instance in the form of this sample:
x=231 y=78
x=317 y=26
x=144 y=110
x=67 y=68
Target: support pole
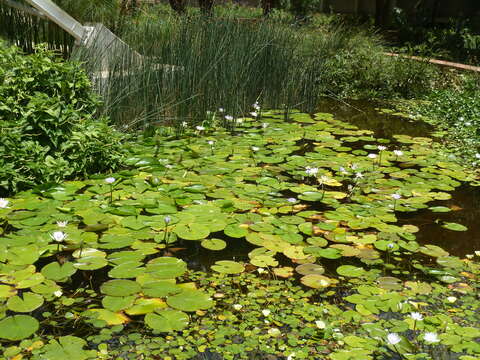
x=59 y=17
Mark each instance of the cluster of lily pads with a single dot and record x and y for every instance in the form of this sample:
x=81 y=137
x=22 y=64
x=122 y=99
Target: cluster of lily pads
x=313 y=200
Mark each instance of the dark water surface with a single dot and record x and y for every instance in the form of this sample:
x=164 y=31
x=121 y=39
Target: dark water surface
x=465 y=200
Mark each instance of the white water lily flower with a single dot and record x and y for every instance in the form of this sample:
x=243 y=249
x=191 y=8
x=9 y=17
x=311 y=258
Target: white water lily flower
x=256 y=106
x=451 y=299
x=311 y=171
x=4 y=203
x=354 y=166
x=292 y=200
x=274 y=332
x=167 y=219
x=237 y=307
x=358 y=175
x=110 y=180
x=260 y=270
x=416 y=316
x=266 y=312
x=469 y=256
x=381 y=147
x=200 y=128
x=254 y=114
x=396 y=196
x=372 y=156
x=58 y=236
x=184 y=124
x=221 y=110
x=477 y=252
x=398 y=152
x=343 y=171
x=320 y=324
x=255 y=148
x=477 y=155
x=431 y=337
x=461 y=118
x=62 y=224
x=264 y=125
x=291 y=356
x=239 y=121
x=393 y=338
x=211 y=142
x=390 y=246
x=228 y=117
x=58 y=293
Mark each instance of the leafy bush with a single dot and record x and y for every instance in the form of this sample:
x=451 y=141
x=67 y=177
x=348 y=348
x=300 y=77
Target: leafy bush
x=47 y=127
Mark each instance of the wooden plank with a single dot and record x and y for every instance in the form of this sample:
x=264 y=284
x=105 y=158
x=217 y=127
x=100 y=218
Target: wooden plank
x=438 y=62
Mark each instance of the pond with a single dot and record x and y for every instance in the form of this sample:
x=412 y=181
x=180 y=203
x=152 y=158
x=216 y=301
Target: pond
x=363 y=226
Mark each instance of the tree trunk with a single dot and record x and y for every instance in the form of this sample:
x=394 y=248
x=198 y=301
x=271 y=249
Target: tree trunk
x=178 y=6
x=383 y=10
x=267 y=6
x=206 y=7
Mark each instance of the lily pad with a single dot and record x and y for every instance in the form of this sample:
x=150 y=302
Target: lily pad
x=167 y=320
x=350 y=271
x=18 y=327
x=228 y=267
x=120 y=287
x=190 y=300
x=454 y=226
x=26 y=303
x=317 y=281
x=214 y=244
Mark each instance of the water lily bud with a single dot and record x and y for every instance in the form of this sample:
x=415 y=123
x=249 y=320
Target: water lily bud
x=167 y=219
x=451 y=299
x=237 y=306
x=372 y=156
x=254 y=114
x=200 y=128
x=292 y=200
x=58 y=293
x=184 y=124
x=266 y=312
x=396 y=196
x=110 y=180
x=398 y=152
x=221 y=110
x=381 y=147
x=229 y=117
x=211 y=142
x=260 y=270
x=255 y=148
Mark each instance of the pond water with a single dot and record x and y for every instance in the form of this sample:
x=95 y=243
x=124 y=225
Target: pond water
x=465 y=201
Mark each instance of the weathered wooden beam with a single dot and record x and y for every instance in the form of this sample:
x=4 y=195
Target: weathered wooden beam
x=438 y=62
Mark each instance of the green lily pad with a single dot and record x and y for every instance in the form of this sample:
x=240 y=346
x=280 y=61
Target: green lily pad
x=18 y=327
x=228 y=267
x=316 y=281
x=235 y=231
x=454 y=226
x=58 y=272
x=166 y=267
x=27 y=303
x=117 y=303
x=214 y=244
x=307 y=269
x=120 y=287
x=160 y=288
x=190 y=300
x=192 y=231
x=350 y=271
x=167 y=320
x=433 y=250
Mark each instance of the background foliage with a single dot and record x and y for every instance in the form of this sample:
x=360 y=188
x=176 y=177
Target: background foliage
x=48 y=131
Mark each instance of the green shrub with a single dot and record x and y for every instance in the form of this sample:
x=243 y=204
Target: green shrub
x=48 y=131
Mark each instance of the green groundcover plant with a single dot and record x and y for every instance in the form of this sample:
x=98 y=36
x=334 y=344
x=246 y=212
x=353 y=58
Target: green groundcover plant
x=48 y=130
